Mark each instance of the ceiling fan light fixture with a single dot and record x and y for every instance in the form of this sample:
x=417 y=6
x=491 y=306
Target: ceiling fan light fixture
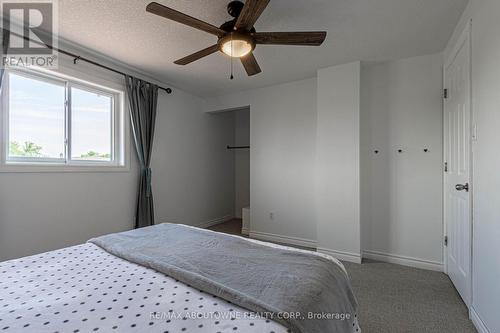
x=237 y=38
x=236 y=48
x=236 y=45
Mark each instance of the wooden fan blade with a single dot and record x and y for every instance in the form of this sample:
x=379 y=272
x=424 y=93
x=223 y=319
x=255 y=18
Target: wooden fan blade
x=197 y=55
x=311 y=38
x=176 y=16
x=250 y=64
x=250 y=14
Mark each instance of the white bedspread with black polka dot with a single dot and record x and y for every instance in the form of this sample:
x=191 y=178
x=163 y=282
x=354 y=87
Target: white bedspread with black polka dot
x=85 y=289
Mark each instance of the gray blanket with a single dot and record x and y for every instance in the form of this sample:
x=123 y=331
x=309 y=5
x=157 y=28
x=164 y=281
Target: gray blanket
x=273 y=282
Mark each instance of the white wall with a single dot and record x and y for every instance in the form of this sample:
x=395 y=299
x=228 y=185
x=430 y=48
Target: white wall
x=283 y=144
x=311 y=131
x=402 y=192
x=193 y=173
x=486 y=160
x=241 y=161
x=192 y=183
x=338 y=191
x=48 y=210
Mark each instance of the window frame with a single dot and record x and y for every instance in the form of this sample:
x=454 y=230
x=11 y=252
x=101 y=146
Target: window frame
x=120 y=153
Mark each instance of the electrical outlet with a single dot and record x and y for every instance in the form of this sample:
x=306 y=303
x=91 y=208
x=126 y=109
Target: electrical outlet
x=271 y=216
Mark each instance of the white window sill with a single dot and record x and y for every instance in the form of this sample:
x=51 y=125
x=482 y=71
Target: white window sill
x=12 y=167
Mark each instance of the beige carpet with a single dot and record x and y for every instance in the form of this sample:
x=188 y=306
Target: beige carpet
x=399 y=299
x=394 y=298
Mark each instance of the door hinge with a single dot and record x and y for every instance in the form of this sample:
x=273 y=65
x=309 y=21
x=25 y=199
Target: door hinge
x=445 y=94
x=445 y=166
x=445 y=240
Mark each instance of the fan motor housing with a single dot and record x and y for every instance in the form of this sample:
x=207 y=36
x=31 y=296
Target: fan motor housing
x=234 y=8
x=229 y=26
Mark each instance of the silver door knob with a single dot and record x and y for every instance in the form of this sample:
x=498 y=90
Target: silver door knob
x=462 y=187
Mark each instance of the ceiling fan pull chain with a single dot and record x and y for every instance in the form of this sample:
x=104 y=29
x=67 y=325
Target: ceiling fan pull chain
x=231 y=77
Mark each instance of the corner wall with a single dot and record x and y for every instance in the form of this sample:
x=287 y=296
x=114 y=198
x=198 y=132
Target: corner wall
x=337 y=162
x=402 y=192
x=193 y=172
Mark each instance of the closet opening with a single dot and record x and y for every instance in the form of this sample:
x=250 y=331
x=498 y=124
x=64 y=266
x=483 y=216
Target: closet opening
x=237 y=151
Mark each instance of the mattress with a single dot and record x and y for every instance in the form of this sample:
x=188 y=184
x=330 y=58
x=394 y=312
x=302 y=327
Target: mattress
x=85 y=289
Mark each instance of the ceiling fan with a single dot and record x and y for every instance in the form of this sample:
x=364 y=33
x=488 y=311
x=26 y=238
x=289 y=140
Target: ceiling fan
x=237 y=38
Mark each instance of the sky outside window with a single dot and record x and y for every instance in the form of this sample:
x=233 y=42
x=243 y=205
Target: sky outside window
x=36 y=118
x=37 y=121
x=90 y=125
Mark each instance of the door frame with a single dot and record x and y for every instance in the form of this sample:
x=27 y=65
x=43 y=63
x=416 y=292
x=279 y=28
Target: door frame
x=465 y=37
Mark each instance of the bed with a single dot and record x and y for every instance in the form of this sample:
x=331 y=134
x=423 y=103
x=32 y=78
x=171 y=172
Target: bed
x=86 y=288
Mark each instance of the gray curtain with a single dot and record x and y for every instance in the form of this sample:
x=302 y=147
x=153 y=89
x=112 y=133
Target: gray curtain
x=5 y=48
x=143 y=97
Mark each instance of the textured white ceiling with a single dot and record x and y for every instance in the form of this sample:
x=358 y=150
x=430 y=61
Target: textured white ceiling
x=366 y=30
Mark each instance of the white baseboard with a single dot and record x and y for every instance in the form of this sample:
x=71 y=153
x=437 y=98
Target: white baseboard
x=283 y=239
x=309 y=243
x=476 y=320
x=218 y=220
x=403 y=260
x=342 y=255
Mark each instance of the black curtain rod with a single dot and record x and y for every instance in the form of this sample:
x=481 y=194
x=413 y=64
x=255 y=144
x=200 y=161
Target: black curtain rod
x=77 y=58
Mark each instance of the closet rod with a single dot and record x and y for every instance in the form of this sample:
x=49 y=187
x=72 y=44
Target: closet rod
x=238 y=147
x=77 y=58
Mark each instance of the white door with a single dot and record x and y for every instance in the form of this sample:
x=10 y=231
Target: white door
x=457 y=180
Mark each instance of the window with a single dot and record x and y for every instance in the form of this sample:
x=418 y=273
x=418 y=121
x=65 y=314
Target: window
x=51 y=120
x=91 y=126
